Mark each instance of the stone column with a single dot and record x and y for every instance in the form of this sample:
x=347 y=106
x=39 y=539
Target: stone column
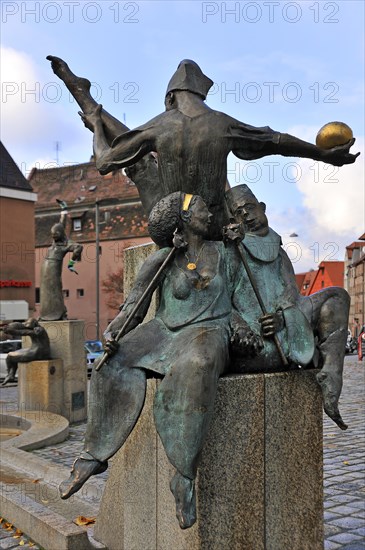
x=259 y=484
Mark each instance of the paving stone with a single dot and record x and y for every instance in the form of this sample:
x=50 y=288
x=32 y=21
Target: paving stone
x=8 y=543
x=345 y=510
x=330 y=515
x=330 y=530
x=354 y=546
x=329 y=545
x=345 y=538
x=348 y=522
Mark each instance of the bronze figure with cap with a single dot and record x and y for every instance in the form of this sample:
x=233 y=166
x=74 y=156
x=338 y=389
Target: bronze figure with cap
x=192 y=141
x=312 y=329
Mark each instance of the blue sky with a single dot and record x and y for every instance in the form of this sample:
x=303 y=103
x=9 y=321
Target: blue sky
x=291 y=65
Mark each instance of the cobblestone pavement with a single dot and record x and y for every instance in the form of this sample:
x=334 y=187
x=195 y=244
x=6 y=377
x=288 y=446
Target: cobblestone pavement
x=344 y=464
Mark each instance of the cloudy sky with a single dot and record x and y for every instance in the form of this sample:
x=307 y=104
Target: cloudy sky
x=291 y=65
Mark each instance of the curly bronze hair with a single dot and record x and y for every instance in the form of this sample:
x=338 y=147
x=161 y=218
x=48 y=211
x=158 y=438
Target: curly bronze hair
x=166 y=216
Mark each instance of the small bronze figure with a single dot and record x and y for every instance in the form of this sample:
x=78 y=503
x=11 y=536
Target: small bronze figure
x=52 y=306
x=39 y=349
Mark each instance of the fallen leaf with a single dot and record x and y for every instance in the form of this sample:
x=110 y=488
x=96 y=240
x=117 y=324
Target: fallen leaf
x=35 y=480
x=346 y=462
x=31 y=543
x=21 y=543
x=82 y=520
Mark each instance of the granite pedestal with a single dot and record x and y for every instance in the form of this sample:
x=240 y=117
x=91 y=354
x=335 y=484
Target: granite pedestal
x=259 y=483
x=67 y=343
x=41 y=386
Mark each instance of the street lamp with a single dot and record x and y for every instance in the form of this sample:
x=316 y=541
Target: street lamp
x=97 y=261
x=97 y=264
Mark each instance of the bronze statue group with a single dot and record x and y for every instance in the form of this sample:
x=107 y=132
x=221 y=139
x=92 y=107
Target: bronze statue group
x=228 y=296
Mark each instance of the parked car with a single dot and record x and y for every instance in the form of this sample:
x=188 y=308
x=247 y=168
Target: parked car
x=94 y=349
x=361 y=343
x=5 y=347
x=351 y=343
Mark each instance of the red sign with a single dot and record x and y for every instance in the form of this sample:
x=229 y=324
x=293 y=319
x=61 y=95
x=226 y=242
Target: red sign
x=12 y=283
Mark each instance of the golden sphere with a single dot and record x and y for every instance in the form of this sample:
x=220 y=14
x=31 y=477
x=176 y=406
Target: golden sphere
x=333 y=134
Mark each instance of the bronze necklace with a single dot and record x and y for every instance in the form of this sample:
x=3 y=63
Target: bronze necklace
x=191 y=266
x=199 y=282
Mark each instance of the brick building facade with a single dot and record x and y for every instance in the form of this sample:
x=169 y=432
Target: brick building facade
x=17 y=276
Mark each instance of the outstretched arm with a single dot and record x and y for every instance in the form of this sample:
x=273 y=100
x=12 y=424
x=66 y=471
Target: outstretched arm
x=290 y=146
x=249 y=143
x=76 y=250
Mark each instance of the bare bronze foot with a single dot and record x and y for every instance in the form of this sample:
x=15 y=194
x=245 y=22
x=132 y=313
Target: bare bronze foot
x=183 y=490
x=80 y=473
x=330 y=401
x=62 y=70
x=9 y=378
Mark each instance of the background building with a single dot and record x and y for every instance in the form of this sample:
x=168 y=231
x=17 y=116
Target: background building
x=17 y=274
x=114 y=200
x=329 y=273
x=355 y=283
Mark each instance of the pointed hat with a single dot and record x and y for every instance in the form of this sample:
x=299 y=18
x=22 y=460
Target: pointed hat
x=189 y=76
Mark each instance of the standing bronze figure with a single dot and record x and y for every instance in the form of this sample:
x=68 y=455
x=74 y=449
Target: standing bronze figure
x=51 y=293
x=192 y=141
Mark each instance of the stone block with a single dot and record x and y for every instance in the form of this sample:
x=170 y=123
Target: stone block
x=259 y=484
x=67 y=343
x=41 y=386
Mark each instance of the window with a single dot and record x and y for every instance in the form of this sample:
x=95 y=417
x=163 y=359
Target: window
x=66 y=293
x=76 y=224
x=37 y=295
x=80 y=292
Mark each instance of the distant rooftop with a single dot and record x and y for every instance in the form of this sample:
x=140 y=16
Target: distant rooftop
x=10 y=174
x=79 y=183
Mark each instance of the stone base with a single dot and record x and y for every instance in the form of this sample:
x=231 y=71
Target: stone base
x=259 y=483
x=67 y=343
x=41 y=386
